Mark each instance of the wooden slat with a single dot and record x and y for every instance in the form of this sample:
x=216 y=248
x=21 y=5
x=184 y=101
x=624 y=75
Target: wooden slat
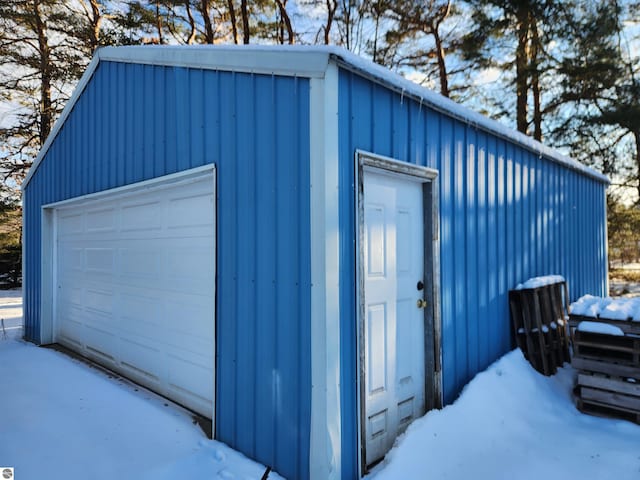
x=607 y=411
x=630 y=348
x=611 y=384
x=533 y=312
x=613 y=348
x=618 y=400
x=607 y=368
x=548 y=360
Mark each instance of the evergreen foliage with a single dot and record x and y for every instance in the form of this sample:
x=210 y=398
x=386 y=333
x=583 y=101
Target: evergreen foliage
x=562 y=71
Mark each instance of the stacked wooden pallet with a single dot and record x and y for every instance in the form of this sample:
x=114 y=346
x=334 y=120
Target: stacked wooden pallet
x=608 y=369
x=538 y=317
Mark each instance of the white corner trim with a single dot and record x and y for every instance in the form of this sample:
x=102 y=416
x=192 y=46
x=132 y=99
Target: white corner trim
x=325 y=443
x=24 y=266
x=82 y=83
x=48 y=260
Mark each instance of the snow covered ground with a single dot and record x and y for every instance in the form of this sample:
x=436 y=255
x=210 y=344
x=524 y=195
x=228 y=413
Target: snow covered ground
x=513 y=423
x=624 y=288
x=618 y=285
x=62 y=419
x=11 y=311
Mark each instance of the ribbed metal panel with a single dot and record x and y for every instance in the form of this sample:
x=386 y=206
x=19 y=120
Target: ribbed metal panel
x=136 y=122
x=505 y=215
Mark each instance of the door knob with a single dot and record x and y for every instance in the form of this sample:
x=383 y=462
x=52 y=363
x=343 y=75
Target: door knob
x=422 y=303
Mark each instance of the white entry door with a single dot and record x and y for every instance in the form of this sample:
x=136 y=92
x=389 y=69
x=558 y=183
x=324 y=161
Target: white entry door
x=394 y=331
x=135 y=285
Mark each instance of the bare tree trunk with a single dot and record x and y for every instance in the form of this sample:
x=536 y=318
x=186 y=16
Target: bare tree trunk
x=234 y=24
x=245 y=22
x=442 y=67
x=636 y=136
x=441 y=16
x=192 y=23
x=96 y=22
x=378 y=13
x=332 y=6
x=346 y=13
x=287 y=21
x=535 y=81
x=206 y=18
x=46 y=111
x=522 y=57
x=159 y=23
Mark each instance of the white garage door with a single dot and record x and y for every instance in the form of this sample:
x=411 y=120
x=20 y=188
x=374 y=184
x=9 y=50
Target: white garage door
x=135 y=280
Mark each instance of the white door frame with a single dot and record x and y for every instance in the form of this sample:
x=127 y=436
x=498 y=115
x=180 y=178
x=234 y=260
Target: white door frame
x=48 y=273
x=428 y=177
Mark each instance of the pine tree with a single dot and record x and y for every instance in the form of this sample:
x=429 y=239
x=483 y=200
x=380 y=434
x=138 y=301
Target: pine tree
x=42 y=54
x=515 y=36
x=404 y=45
x=600 y=85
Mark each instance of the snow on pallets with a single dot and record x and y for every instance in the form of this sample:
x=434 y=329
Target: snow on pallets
x=538 y=312
x=626 y=326
x=606 y=353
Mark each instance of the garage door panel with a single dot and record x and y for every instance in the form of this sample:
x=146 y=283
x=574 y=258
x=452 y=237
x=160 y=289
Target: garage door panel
x=142 y=315
x=70 y=224
x=97 y=320
x=143 y=356
x=195 y=383
x=71 y=258
x=101 y=221
x=73 y=324
x=100 y=340
x=140 y=282
x=70 y=296
x=140 y=217
x=100 y=260
x=99 y=302
x=183 y=212
x=68 y=336
x=188 y=345
x=136 y=278
x=187 y=314
x=184 y=265
x=140 y=262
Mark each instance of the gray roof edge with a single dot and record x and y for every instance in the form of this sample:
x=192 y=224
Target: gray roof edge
x=288 y=60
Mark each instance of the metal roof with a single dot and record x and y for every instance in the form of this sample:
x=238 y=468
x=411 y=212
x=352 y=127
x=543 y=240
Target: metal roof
x=300 y=61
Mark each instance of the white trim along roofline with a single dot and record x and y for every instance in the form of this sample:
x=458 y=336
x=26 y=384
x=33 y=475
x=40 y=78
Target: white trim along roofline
x=301 y=61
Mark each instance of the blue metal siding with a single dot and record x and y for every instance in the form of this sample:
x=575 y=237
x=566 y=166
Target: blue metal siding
x=136 y=122
x=506 y=215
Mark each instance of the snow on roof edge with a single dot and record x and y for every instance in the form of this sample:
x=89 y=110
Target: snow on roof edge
x=449 y=107
x=311 y=62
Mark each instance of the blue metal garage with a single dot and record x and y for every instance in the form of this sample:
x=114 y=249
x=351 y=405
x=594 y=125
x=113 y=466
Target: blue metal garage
x=293 y=241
